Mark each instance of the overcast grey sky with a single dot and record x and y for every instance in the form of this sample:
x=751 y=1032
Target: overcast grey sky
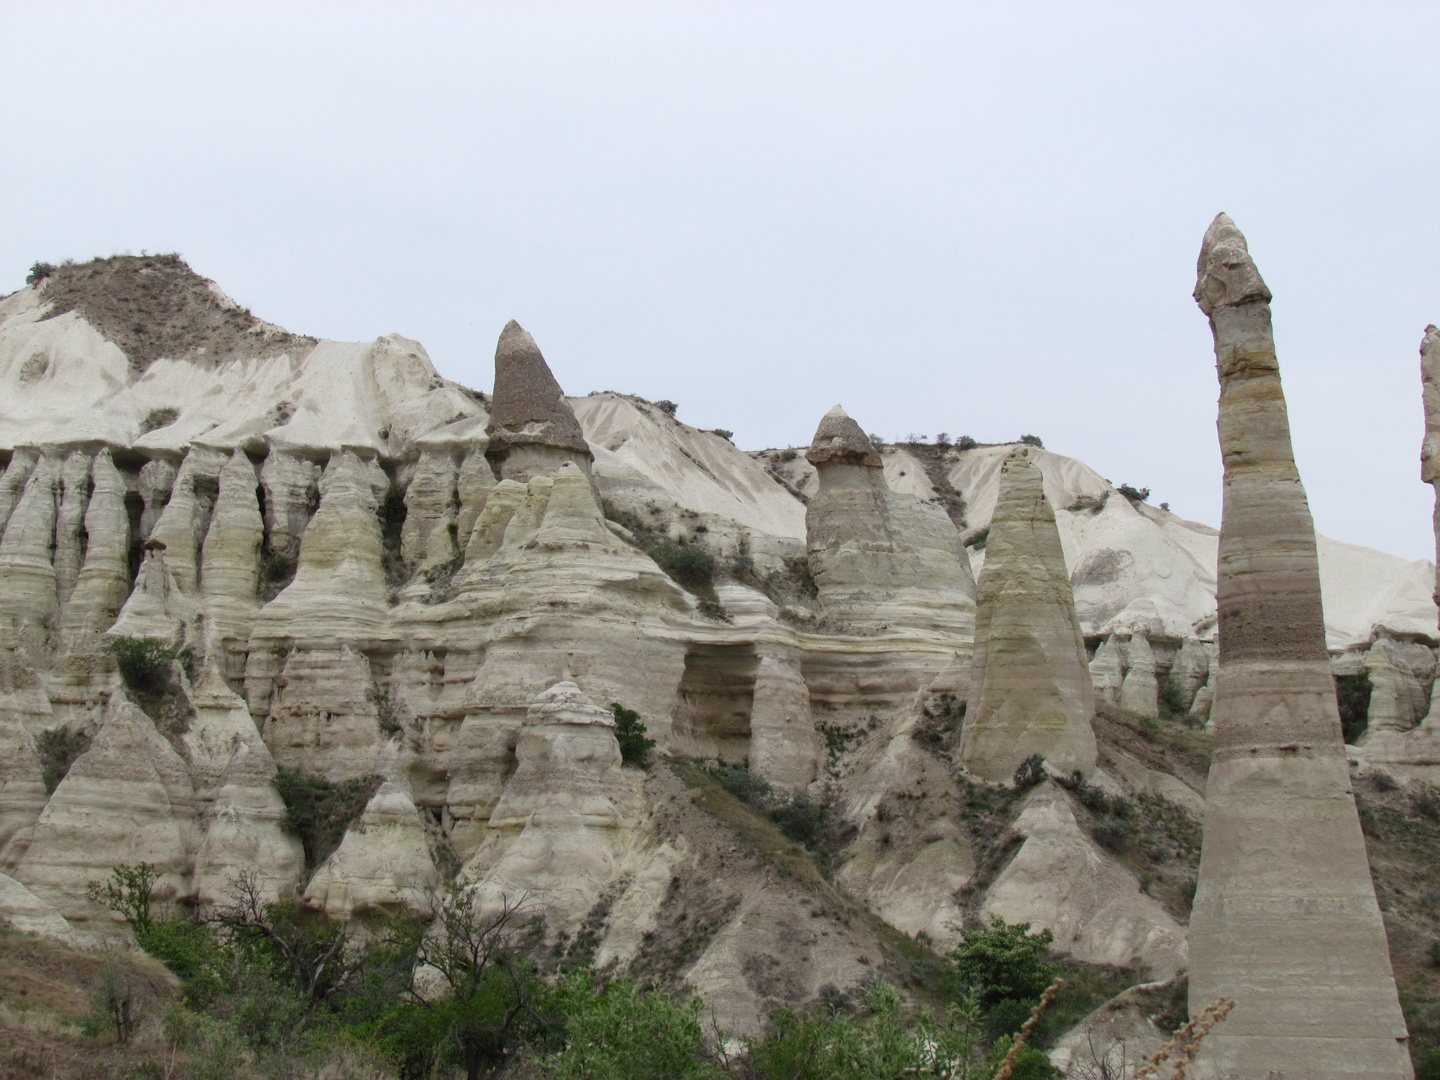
x=979 y=219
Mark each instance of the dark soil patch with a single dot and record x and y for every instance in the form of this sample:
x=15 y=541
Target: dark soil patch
x=155 y=306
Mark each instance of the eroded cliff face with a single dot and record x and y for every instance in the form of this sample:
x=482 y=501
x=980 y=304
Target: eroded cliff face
x=371 y=575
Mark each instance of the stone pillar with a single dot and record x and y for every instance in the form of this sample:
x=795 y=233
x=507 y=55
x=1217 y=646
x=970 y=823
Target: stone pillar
x=1140 y=693
x=1430 y=448
x=1285 y=920
x=532 y=428
x=1030 y=690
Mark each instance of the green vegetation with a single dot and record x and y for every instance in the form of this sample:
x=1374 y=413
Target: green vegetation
x=1134 y=494
x=277 y=570
x=1352 y=694
x=391 y=513
x=318 y=811
x=159 y=418
x=1030 y=773
x=978 y=538
x=795 y=813
x=1032 y=440
x=666 y=406
x=58 y=749
x=39 y=271
x=690 y=565
x=630 y=733
x=965 y=442
x=1172 y=699
x=144 y=663
x=940 y=719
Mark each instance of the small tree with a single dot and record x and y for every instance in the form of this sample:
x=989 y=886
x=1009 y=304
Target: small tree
x=1005 y=967
x=113 y=1004
x=321 y=956
x=666 y=406
x=128 y=894
x=1032 y=440
x=144 y=663
x=489 y=993
x=630 y=733
x=1030 y=772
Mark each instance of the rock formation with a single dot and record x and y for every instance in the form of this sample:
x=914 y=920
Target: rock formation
x=383 y=863
x=1107 y=671
x=104 y=580
x=157 y=480
x=1030 y=690
x=1430 y=448
x=75 y=493
x=27 y=576
x=1140 y=693
x=880 y=559
x=22 y=787
x=291 y=496
x=558 y=831
x=126 y=800
x=230 y=564
x=1284 y=864
x=532 y=428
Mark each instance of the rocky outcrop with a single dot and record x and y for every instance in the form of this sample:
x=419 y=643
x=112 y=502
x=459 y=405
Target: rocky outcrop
x=242 y=813
x=1030 y=690
x=1140 y=693
x=69 y=517
x=1401 y=675
x=1107 y=671
x=431 y=501
x=12 y=484
x=291 y=496
x=473 y=485
x=126 y=800
x=532 y=428
x=880 y=559
x=186 y=517
x=1430 y=448
x=230 y=564
x=27 y=576
x=560 y=830
x=1060 y=880
x=157 y=480
x=383 y=863
x=104 y=580
x=1283 y=864
x=1190 y=670
x=22 y=787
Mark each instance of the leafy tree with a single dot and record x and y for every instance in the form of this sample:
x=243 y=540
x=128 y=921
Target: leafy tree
x=617 y=1031
x=630 y=732
x=490 y=989
x=128 y=894
x=144 y=662
x=1032 y=440
x=1005 y=968
x=1030 y=772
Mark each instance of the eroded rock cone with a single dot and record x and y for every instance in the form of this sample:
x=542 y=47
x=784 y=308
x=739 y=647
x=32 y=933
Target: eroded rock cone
x=881 y=559
x=1285 y=920
x=1030 y=689
x=532 y=428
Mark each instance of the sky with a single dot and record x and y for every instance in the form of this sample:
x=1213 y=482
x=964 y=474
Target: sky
x=980 y=219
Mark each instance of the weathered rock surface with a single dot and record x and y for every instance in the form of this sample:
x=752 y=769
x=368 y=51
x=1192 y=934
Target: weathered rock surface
x=383 y=863
x=532 y=428
x=22 y=910
x=1283 y=864
x=1061 y=880
x=291 y=497
x=1140 y=693
x=1430 y=448
x=22 y=788
x=1107 y=671
x=104 y=580
x=1030 y=690
x=126 y=800
x=880 y=558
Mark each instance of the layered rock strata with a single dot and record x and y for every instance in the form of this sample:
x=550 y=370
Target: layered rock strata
x=1430 y=448
x=1030 y=688
x=104 y=580
x=1140 y=692
x=532 y=428
x=880 y=559
x=1283 y=865
x=383 y=863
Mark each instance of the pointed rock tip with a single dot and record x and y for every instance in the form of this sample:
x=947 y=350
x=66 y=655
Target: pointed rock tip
x=839 y=438
x=528 y=405
x=1430 y=343
x=1225 y=274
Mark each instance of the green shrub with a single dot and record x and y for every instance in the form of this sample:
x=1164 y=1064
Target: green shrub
x=666 y=406
x=630 y=733
x=1172 y=698
x=979 y=538
x=114 y=1004
x=59 y=748
x=39 y=271
x=688 y=564
x=159 y=418
x=144 y=663
x=965 y=442
x=724 y=433
x=1032 y=440
x=1113 y=834
x=795 y=813
x=318 y=811
x=1005 y=963
x=619 y=1032
x=128 y=893
x=1030 y=772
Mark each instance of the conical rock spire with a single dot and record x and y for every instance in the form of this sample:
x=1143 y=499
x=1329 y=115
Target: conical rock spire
x=839 y=438
x=528 y=406
x=1285 y=920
